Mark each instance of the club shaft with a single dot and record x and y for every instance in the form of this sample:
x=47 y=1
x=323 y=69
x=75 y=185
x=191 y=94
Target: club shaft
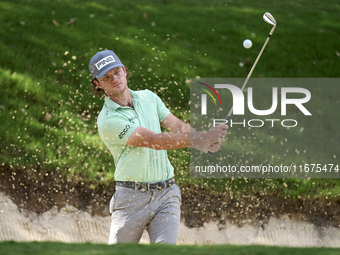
x=249 y=74
x=252 y=68
x=251 y=71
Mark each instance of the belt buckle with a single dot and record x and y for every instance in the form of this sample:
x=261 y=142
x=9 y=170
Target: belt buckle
x=142 y=186
x=163 y=185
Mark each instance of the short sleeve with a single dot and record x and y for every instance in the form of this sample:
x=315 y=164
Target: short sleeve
x=116 y=130
x=162 y=110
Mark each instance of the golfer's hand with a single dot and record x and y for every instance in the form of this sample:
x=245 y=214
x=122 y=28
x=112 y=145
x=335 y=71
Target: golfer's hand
x=212 y=139
x=214 y=147
x=219 y=132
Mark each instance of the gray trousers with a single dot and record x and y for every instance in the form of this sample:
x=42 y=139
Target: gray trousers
x=132 y=211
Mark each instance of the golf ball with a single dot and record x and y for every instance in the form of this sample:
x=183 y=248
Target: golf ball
x=247 y=44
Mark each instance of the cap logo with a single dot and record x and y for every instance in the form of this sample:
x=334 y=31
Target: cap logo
x=105 y=61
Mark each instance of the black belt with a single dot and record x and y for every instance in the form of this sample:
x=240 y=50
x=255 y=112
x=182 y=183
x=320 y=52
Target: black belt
x=146 y=186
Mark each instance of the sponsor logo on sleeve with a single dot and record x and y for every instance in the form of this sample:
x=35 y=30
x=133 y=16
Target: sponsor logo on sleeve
x=121 y=135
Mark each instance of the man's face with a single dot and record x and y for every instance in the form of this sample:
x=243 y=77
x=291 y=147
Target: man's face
x=114 y=82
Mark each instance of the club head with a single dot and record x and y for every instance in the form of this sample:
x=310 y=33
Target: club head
x=267 y=17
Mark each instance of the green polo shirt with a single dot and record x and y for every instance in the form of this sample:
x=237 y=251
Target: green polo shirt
x=116 y=124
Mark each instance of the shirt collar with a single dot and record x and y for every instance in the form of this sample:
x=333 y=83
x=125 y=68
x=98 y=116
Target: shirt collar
x=114 y=106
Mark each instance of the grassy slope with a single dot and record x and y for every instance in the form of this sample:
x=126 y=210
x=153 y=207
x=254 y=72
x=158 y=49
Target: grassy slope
x=164 y=43
x=12 y=248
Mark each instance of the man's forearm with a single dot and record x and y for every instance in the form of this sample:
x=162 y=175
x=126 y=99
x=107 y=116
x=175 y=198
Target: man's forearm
x=166 y=141
x=172 y=141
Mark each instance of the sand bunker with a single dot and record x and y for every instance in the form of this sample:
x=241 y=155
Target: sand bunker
x=68 y=224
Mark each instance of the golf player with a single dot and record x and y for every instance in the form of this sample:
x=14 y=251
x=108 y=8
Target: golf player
x=129 y=124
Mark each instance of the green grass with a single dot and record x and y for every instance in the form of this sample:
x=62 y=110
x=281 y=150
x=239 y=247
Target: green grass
x=13 y=248
x=48 y=113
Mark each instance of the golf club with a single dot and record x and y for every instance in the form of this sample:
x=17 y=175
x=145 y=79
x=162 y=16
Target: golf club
x=267 y=17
